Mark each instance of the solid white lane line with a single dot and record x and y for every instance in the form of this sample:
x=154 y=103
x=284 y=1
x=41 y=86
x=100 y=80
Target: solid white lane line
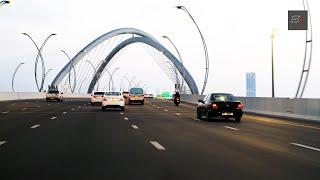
x=35 y=126
x=178 y=114
x=5 y=112
x=196 y=119
x=305 y=146
x=2 y=142
x=134 y=127
x=126 y=118
x=53 y=118
x=280 y=122
x=157 y=145
x=121 y=113
x=228 y=127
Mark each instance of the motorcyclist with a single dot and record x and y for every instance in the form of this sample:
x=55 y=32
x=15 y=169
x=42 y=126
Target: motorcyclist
x=177 y=98
x=177 y=95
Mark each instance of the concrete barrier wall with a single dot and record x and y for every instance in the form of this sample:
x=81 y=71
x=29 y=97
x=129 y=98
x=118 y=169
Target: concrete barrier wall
x=300 y=108
x=7 y=96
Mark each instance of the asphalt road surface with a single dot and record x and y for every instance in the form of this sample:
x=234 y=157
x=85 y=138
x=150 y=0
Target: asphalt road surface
x=75 y=140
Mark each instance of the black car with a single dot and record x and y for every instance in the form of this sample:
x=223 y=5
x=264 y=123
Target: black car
x=220 y=105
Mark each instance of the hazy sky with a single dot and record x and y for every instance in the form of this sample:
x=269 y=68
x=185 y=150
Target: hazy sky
x=237 y=35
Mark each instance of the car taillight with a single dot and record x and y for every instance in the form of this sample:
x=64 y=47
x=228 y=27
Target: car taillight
x=240 y=106
x=214 y=106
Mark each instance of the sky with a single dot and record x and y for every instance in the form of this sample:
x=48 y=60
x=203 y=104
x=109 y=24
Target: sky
x=237 y=34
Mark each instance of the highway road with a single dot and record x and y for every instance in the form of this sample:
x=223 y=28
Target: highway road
x=74 y=140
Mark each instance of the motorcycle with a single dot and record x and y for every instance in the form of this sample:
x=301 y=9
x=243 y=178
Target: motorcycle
x=177 y=101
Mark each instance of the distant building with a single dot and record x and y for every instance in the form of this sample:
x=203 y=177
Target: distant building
x=251 y=84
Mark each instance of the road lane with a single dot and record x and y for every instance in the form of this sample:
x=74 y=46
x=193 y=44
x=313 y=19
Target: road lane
x=86 y=143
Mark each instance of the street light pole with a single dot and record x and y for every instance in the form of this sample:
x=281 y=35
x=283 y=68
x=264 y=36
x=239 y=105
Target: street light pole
x=180 y=58
x=39 y=54
x=272 y=60
x=14 y=75
x=111 y=75
x=95 y=71
x=74 y=71
x=204 y=48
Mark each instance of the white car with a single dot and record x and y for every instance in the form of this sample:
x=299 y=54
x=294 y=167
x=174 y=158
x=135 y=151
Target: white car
x=54 y=95
x=96 y=97
x=113 y=100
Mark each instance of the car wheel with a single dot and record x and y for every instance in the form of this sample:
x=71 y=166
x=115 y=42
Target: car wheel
x=208 y=116
x=238 y=119
x=103 y=108
x=198 y=115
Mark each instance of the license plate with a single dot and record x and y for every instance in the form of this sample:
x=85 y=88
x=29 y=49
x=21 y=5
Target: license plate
x=227 y=114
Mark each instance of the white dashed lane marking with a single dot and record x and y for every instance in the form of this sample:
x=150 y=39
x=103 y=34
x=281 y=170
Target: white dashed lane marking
x=196 y=119
x=5 y=112
x=35 y=126
x=53 y=118
x=305 y=146
x=228 y=127
x=126 y=118
x=157 y=145
x=72 y=109
x=64 y=113
x=24 y=109
x=178 y=114
x=134 y=127
x=166 y=110
x=2 y=142
x=121 y=113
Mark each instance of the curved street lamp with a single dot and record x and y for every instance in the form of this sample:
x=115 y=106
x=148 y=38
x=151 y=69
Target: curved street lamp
x=74 y=72
x=39 y=54
x=111 y=75
x=180 y=58
x=95 y=71
x=204 y=48
x=307 y=55
x=14 y=75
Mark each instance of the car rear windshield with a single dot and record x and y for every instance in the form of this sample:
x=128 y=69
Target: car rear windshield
x=136 y=91
x=98 y=93
x=113 y=94
x=223 y=98
x=53 y=92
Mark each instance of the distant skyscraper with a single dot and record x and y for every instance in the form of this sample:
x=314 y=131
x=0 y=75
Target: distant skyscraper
x=251 y=84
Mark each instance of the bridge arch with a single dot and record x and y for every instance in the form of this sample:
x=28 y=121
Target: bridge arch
x=156 y=45
x=92 y=45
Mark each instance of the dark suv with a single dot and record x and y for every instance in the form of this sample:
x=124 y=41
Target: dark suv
x=220 y=105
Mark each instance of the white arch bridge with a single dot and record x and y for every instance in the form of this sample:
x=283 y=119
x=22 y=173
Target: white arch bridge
x=102 y=51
